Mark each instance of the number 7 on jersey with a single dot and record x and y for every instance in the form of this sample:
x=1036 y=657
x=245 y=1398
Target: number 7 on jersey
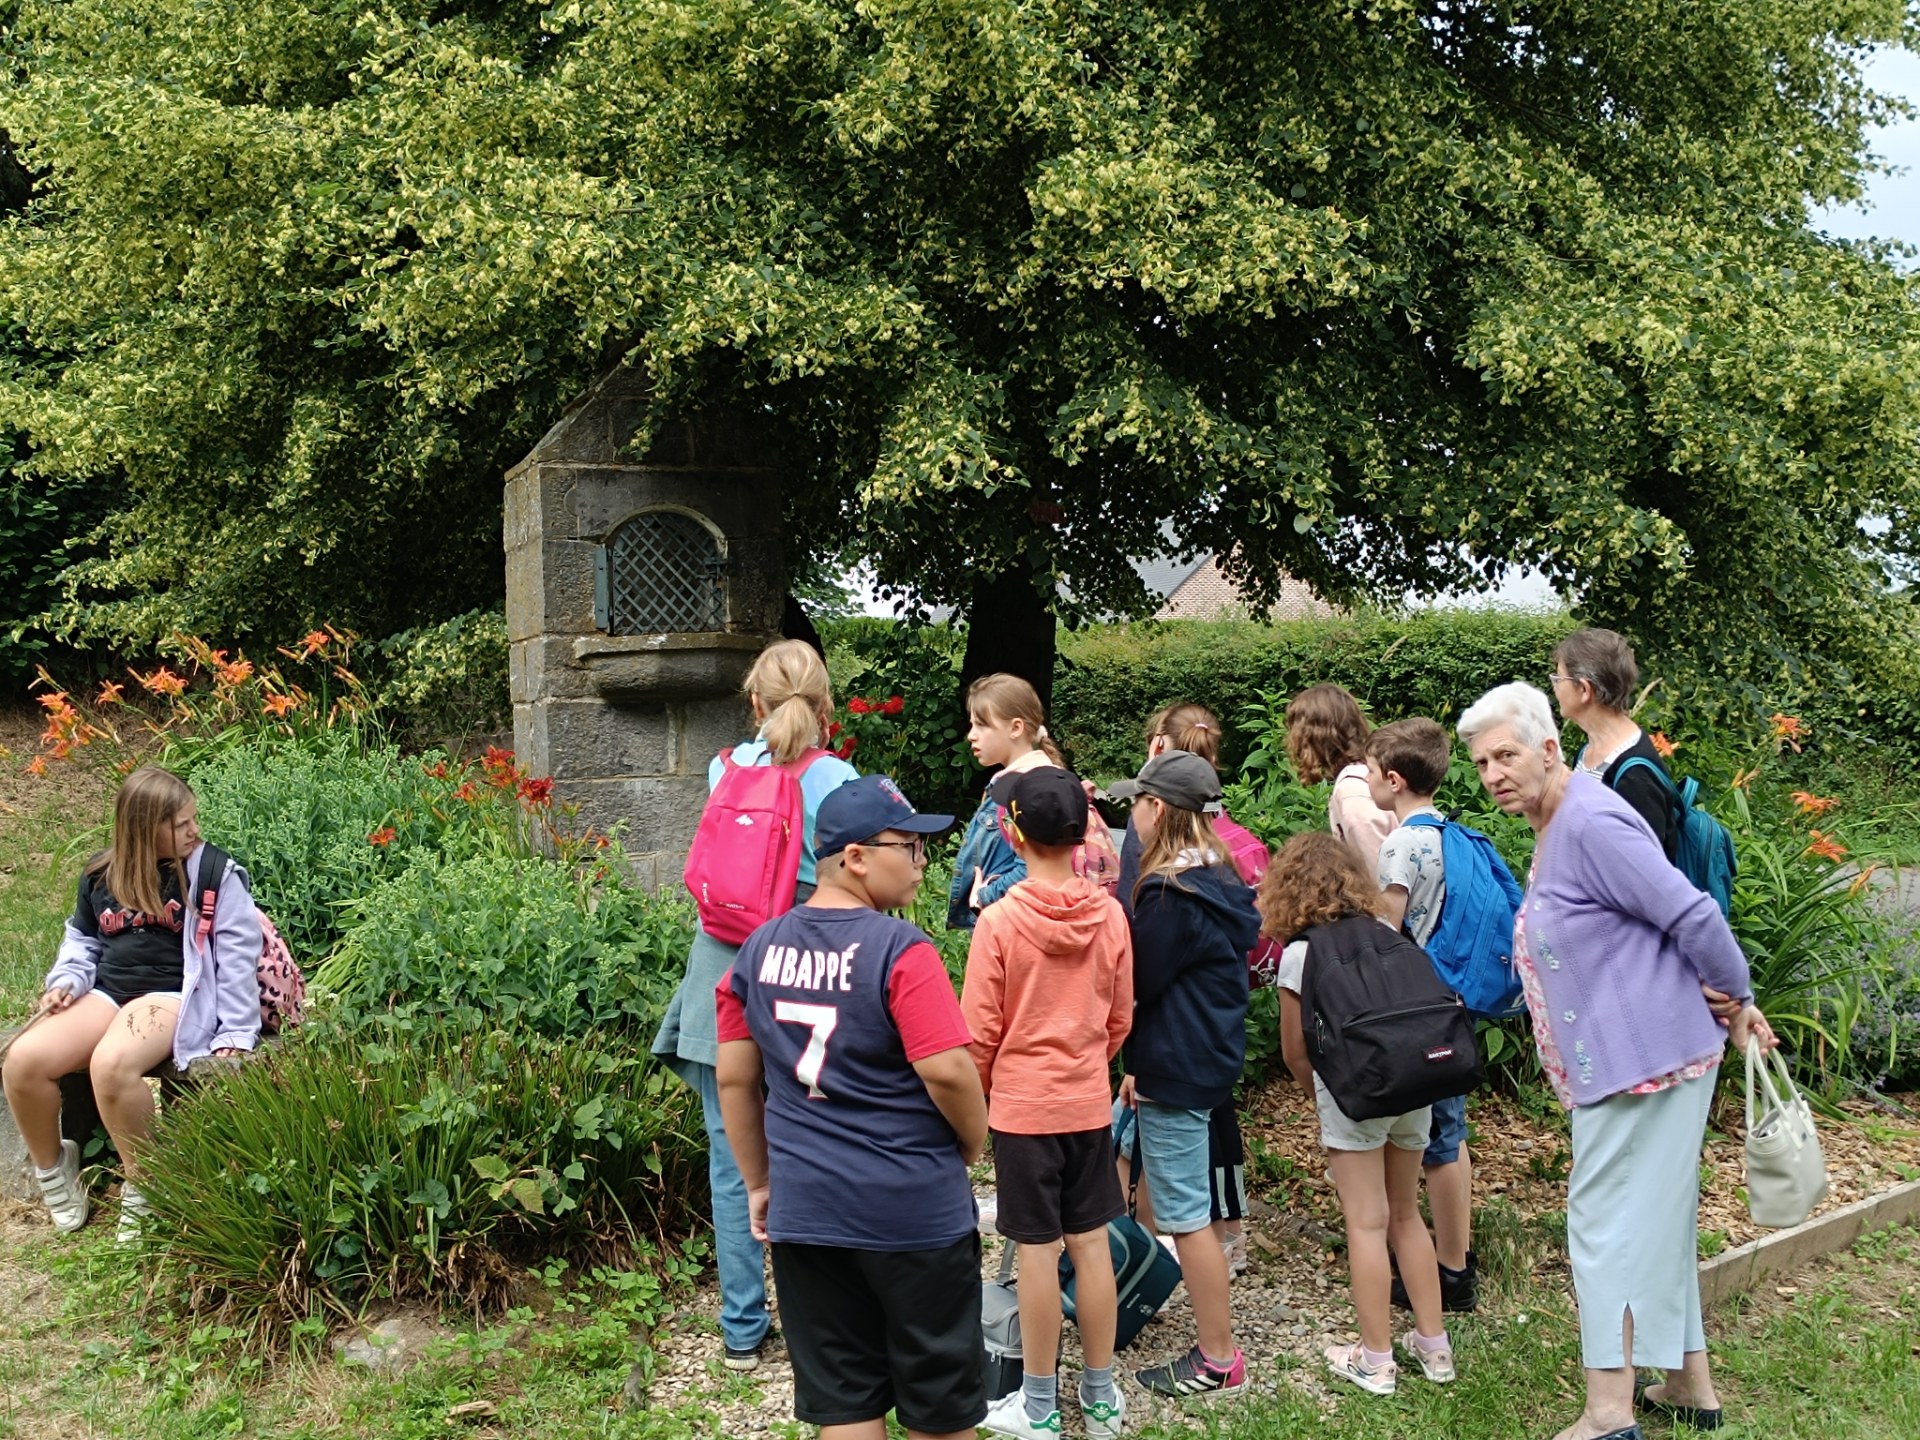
x=820 y=1019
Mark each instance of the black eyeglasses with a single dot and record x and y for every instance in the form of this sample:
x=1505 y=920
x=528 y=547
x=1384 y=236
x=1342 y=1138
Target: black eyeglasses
x=916 y=848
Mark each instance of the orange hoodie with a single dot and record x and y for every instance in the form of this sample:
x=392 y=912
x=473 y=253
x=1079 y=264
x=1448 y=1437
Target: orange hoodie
x=1049 y=998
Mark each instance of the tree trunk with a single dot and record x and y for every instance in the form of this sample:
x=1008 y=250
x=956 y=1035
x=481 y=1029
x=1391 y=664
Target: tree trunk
x=1010 y=627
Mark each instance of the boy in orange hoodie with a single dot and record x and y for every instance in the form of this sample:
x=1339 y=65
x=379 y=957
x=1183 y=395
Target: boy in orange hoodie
x=1049 y=999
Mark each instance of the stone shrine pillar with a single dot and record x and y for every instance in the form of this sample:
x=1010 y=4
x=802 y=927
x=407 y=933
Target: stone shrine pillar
x=639 y=591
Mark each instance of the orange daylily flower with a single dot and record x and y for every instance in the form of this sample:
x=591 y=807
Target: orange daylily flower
x=1662 y=746
x=162 y=682
x=37 y=765
x=109 y=693
x=278 y=705
x=1787 y=730
x=235 y=673
x=383 y=836
x=1825 y=846
x=1810 y=804
x=316 y=641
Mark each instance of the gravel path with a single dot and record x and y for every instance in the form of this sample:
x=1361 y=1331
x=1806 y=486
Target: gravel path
x=1289 y=1305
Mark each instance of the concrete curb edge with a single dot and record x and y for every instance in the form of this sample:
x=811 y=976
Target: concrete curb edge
x=1744 y=1268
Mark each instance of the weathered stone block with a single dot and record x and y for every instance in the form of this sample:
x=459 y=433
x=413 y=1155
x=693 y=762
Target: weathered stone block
x=703 y=728
x=550 y=589
x=590 y=739
x=660 y=811
x=544 y=667
x=633 y=668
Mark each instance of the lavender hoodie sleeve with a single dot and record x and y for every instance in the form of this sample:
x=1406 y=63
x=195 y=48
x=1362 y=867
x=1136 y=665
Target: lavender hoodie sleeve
x=73 y=969
x=234 y=980
x=1622 y=866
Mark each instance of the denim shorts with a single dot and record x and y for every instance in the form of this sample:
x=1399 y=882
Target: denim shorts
x=1173 y=1153
x=1449 y=1131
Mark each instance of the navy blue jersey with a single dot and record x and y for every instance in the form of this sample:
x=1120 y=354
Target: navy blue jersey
x=841 y=1003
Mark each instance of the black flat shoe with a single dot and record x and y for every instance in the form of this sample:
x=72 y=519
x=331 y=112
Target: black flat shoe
x=1679 y=1414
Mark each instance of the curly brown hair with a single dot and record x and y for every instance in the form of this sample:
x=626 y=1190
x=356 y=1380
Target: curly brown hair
x=1314 y=880
x=1326 y=732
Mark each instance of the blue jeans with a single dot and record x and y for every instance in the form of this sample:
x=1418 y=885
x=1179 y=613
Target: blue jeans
x=743 y=1281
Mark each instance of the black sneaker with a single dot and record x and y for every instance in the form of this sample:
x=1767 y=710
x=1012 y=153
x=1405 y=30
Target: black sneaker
x=1459 y=1289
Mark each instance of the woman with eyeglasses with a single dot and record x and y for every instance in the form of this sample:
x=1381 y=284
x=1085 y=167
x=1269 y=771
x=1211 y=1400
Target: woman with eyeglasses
x=1592 y=683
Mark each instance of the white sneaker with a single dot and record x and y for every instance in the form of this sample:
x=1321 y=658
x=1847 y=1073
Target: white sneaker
x=1008 y=1416
x=1235 y=1246
x=1436 y=1365
x=66 y=1197
x=989 y=1206
x=134 y=1212
x=1105 y=1422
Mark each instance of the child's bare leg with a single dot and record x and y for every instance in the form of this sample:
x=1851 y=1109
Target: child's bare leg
x=140 y=1037
x=1411 y=1241
x=1096 y=1304
x=1450 y=1196
x=56 y=1046
x=1360 y=1178
x=877 y=1430
x=1040 y=1314
x=1203 y=1266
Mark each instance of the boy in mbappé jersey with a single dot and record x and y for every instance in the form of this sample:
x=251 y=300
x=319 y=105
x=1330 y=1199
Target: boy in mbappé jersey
x=854 y=1110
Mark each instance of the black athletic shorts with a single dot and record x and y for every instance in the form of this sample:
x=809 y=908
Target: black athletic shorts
x=1227 y=1160
x=870 y=1331
x=1054 y=1185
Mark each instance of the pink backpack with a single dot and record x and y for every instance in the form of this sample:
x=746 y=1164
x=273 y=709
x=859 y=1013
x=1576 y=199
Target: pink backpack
x=745 y=859
x=1249 y=855
x=283 y=989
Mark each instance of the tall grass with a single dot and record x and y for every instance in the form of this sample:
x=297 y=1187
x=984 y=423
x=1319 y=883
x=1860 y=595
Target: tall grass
x=424 y=1162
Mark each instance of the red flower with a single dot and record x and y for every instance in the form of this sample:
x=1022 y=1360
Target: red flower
x=536 y=793
x=438 y=770
x=857 y=706
x=893 y=705
x=383 y=836
x=845 y=749
x=498 y=767
x=466 y=792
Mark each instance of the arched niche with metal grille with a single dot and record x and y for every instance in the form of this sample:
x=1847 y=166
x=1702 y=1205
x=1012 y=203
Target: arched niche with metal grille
x=661 y=571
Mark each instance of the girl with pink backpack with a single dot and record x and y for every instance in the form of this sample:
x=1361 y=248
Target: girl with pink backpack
x=747 y=830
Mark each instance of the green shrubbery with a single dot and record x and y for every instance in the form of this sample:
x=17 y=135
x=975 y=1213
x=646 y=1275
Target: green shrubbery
x=511 y=941
x=398 y=1160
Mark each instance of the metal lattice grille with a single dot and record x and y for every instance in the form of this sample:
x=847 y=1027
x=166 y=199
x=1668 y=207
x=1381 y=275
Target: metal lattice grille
x=664 y=573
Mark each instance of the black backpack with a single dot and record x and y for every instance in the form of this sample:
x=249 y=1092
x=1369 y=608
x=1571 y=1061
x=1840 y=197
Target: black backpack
x=1384 y=1032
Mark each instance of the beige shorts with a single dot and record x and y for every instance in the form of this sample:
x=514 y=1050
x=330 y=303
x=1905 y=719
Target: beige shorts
x=1337 y=1132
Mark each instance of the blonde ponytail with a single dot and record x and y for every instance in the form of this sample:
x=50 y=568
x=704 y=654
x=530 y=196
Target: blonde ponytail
x=790 y=682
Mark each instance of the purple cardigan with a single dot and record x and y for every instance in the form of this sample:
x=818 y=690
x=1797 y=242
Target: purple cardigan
x=1621 y=942
x=219 y=1003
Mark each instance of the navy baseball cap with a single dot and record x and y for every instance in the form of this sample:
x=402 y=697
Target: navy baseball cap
x=861 y=809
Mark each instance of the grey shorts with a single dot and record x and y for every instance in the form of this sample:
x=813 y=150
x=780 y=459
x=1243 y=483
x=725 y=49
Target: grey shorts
x=1337 y=1132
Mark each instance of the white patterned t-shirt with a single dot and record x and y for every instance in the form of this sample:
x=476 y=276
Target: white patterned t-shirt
x=1410 y=858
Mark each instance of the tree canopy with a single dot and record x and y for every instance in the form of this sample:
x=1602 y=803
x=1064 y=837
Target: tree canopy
x=1387 y=295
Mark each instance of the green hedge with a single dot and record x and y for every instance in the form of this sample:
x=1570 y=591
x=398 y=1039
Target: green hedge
x=1433 y=662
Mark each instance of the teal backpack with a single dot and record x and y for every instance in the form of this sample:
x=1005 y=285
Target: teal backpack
x=1705 y=854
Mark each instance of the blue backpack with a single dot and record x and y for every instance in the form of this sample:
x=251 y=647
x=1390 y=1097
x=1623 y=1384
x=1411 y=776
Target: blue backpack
x=1472 y=945
x=1705 y=853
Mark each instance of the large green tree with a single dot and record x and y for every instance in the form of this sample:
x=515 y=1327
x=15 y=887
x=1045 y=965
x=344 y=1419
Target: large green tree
x=1385 y=295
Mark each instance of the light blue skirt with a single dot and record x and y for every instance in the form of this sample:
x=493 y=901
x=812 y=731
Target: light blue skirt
x=1633 y=1217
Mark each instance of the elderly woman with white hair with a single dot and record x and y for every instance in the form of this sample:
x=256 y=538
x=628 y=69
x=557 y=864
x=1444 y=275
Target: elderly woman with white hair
x=1615 y=949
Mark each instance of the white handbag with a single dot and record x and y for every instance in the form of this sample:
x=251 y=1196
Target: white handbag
x=1786 y=1173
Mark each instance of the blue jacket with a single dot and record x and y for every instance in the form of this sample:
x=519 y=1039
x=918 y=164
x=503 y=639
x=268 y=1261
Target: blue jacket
x=985 y=845
x=1191 y=935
